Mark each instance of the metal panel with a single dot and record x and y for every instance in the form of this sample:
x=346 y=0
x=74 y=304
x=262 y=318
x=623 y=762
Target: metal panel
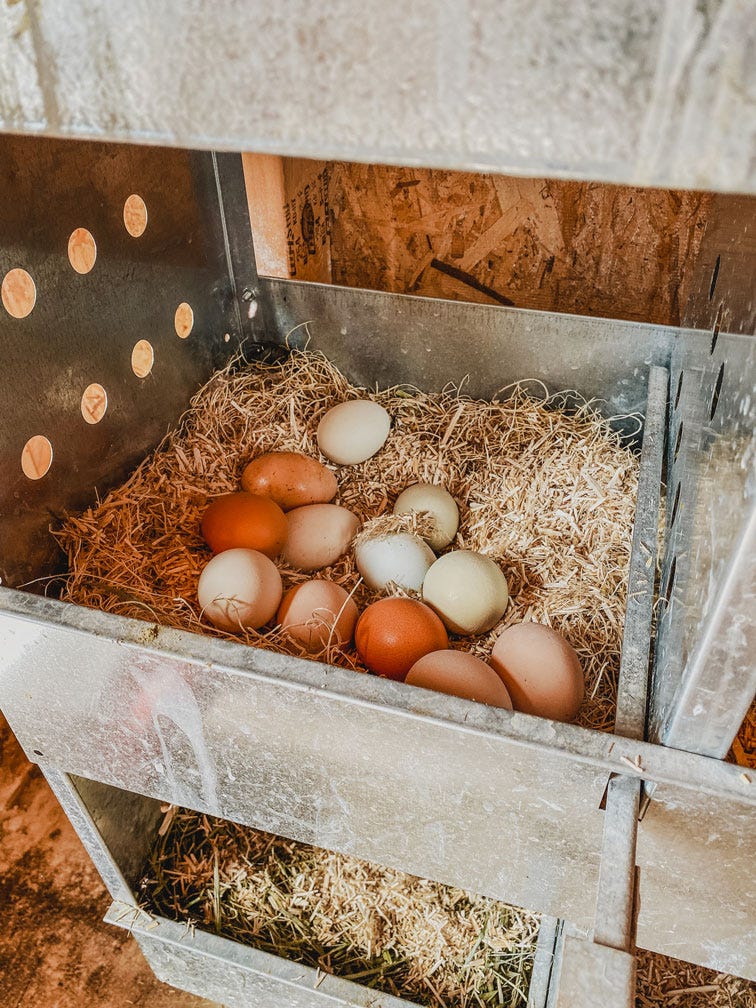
x=697 y=886
x=389 y=339
x=705 y=674
x=595 y=975
x=83 y=327
x=631 y=91
x=403 y=777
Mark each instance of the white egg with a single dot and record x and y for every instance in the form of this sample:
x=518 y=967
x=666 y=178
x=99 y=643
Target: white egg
x=353 y=431
x=401 y=557
x=239 y=588
x=439 y=503
x=467 y=590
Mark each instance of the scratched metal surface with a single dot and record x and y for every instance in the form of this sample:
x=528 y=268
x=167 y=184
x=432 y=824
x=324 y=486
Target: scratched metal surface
x=628 y=91
x=705 y=670
x=697 y=885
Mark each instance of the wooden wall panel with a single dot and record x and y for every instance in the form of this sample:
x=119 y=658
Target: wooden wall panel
x=580 y=247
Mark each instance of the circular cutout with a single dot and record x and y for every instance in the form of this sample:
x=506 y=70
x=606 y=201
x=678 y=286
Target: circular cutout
x=19 y=293
x=135 y=215
x=142 y=358
x=82 y=250
x=94 y=403
x=183 y=320
x=37 y=456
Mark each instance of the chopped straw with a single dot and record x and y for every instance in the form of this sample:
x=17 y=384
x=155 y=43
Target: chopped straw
x=549 y=494
x=403 y=935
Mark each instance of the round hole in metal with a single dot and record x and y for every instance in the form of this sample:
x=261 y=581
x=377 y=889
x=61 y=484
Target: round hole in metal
x=19 y=293
x=717 y=390
x=37 y=456
x=142 y=358
x=82 y=250
x=94 y=403
x=135 y=215
x=183 y=320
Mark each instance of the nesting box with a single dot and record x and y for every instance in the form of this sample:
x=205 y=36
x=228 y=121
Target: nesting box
x=128 y=278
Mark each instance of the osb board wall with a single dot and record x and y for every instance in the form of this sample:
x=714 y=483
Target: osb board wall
x=579 y=247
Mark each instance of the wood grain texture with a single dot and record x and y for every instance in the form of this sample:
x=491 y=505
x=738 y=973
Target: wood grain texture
x=55 y=950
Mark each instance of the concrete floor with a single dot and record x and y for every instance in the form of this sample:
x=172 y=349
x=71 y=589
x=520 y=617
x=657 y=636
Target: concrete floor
x=55 y=951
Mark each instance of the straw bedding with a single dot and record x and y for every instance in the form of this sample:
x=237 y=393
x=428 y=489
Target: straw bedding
x=403 y=935
x=549 y=494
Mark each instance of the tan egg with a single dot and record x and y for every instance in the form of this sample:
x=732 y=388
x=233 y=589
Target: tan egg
x=290 y=479
x=239 y=588
x=467 y=590
x=401 y=558
x=436 y=501
x=318 y=613
x=318 y=534
x=462 y=675
x=353 y=431
x=541 y=671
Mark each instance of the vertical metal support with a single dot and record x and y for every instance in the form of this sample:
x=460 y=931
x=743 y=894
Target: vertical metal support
x=632 y=692
x=594 y=972
x=254 y=316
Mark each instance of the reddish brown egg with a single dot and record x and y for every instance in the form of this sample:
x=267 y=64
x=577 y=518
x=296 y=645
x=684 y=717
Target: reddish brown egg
x=318 y=613
x=393 y=633
x=540 y=670
x=244 y=521
x=290 y=479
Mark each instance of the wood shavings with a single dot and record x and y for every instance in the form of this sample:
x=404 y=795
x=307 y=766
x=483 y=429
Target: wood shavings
x=663 y=982
x=526 y=474
x=434 y=944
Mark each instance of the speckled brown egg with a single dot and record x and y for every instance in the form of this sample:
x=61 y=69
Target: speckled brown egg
x=290 y=479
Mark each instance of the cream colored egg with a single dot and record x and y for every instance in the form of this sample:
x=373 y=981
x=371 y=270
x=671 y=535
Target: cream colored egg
x=353 y=431
x=467 y=590
x=318 y=534
x=459 y=674
x=239 y=588
x=541 y=671
x=439 y=503
x=401 y=558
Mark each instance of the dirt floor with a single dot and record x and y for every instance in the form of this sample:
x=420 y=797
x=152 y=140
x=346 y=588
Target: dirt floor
x=55 y=951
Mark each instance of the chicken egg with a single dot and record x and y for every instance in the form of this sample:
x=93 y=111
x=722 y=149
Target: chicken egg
x=239 y=588
x=393 y=633
x=318 y=613
x=459 y=674
x=400 y=557
x=244 y=521
x=353 y=431
x=441 y=506
x=290 y=479
x=318 y=534
x=540 y=670
x=467 y=590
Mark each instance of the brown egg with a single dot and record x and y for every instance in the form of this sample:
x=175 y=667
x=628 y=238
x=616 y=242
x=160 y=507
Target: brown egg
x=393 y=633
x=540 y=670
x=318 y=534
x=290 y=479
x=318 y=613
x=460 y=674
x=244 y=521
